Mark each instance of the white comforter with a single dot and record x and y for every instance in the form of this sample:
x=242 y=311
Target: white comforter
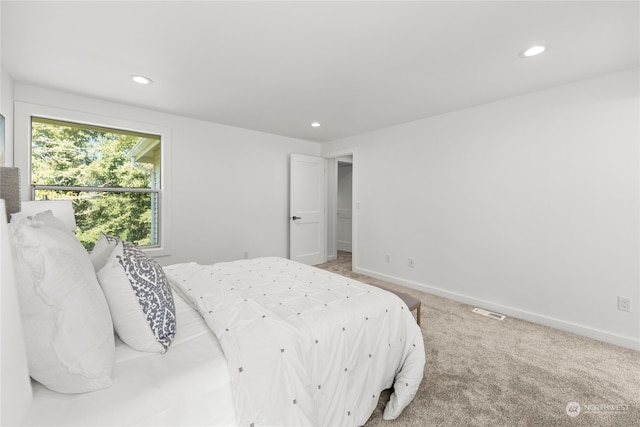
x=305 y=346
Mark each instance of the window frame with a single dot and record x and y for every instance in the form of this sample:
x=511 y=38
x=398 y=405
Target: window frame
x=24 y=112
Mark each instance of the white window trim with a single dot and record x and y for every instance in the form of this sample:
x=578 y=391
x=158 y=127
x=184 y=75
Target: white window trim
x=22 y=155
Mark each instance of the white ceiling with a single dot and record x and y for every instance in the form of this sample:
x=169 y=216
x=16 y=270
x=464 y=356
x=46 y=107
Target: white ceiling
x=278 y=66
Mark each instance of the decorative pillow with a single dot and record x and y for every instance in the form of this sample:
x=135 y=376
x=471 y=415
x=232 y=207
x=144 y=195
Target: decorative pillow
x=139 y=297
x=67 y=326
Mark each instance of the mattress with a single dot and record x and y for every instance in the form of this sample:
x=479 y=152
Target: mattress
x=189 y=385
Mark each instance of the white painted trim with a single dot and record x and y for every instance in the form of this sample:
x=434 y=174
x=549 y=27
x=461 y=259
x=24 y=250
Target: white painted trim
x=562 y=325
x=344 y=246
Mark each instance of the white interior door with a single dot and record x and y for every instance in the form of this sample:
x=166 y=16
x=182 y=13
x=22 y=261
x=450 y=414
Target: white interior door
x=307 y=235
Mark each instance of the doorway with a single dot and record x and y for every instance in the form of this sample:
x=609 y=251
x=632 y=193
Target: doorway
x=341 y=205
x=344 y=210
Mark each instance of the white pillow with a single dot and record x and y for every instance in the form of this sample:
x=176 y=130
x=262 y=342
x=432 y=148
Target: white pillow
x=101 y=251
x=67 y=326
x=139 y=298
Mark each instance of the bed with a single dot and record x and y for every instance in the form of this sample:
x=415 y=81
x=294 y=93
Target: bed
x=188 y=385
x=254 y=342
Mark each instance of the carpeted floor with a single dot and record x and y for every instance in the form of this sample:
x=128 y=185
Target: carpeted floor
x=485 y=372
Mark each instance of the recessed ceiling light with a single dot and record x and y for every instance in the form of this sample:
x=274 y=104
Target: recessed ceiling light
x=315 y=124
x=532 y=51
x=142 y=80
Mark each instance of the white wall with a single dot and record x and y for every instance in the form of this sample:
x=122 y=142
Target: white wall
x=229 y=185
x=528 y=206
x=344 y=186
x=6 y=109
x=332 y=206
x=345 y=198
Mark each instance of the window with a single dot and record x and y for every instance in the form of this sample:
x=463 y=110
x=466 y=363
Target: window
x=112 y=176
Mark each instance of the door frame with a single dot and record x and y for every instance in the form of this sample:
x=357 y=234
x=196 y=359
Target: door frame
x=331 y=203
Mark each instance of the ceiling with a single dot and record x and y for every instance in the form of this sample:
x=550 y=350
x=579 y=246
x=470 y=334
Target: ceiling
x=277 y=67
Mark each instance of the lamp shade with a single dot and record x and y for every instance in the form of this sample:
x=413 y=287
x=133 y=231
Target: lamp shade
x=61 y=209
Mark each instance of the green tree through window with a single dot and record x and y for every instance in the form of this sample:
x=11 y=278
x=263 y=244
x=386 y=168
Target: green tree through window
x=112 y=176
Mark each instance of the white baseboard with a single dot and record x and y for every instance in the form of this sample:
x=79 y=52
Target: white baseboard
x=597 y=334
x=344 y=246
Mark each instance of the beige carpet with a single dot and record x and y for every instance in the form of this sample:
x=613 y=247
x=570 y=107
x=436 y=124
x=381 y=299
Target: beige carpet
x=485 y=372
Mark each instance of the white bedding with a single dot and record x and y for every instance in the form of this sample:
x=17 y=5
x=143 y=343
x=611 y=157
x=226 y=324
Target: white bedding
x=187 y=386
x=305 y=346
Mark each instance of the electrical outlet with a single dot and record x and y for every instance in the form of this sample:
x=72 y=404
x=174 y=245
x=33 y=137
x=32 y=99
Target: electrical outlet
x=387 y=257
x=246 y=254
x=624 y=303
x=412 y=263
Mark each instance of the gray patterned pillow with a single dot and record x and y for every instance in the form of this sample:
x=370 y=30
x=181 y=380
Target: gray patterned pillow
x=139 y=297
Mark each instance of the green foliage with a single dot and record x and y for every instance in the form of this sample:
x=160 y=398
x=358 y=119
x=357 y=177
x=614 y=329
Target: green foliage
x=82 y=156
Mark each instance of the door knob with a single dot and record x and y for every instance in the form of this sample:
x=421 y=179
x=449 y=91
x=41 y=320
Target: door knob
x=296 y=217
